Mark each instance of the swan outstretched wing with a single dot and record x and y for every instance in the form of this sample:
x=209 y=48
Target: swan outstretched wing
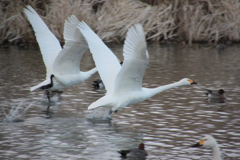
x=135 y=60
x=105 y=60
x=68 y=60
x=48 y=43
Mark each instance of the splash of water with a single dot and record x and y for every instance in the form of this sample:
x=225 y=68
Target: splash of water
x=16 y=113
x=100 y=113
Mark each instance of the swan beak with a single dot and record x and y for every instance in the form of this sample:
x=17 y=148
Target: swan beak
x=192 y=82
x=199 y=144
x=121 y=62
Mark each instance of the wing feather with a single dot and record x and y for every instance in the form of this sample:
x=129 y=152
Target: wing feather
x=48 y=43
x=106 y=61
x=68 y=60
x=135 y=60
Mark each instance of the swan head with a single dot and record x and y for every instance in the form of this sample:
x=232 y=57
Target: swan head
x=121 y=62
x=187 y=81
x=52 y=75
x=207 y=141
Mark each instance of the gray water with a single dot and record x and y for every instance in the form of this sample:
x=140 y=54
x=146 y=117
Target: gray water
x=167 y=123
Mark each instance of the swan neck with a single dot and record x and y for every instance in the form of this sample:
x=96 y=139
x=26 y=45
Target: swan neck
x=92 y=71
x=51 y=80
x=154 y=91
x=89 y=73
x=216 y=153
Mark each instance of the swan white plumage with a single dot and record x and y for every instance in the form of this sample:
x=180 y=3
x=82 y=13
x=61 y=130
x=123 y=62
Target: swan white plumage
x=98 y=84
x=210 y=142
x=123 y=84
x=62 y=65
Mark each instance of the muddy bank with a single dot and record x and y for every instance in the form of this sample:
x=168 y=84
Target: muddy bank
x=178 y=20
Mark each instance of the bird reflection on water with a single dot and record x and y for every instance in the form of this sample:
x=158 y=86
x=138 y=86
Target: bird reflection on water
x=180 y=114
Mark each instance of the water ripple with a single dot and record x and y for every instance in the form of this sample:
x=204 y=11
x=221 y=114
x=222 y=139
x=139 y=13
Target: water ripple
x=167 y=123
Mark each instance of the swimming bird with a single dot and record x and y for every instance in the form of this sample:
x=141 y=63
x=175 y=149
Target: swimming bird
x=210 y=142
x=123 y=84
x=98 y=84
x=139 y=153
x=216 y=97
x=62 y=64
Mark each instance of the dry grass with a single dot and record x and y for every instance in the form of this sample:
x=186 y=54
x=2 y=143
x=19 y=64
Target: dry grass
x=182 y=20
x=113 y=27
x=210 y=21
x=14 y=26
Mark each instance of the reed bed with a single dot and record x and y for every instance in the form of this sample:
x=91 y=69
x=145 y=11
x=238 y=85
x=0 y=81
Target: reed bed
x=208 y=21
x=178 y=20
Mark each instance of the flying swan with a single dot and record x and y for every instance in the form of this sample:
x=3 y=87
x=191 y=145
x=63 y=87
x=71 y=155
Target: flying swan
x=62 y=65
x=123 y=84
x=210 y=142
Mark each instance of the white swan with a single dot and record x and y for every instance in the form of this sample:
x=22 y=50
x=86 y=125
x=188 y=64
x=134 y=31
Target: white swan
x=209 y=141
x=62 y=65
x=123 y=84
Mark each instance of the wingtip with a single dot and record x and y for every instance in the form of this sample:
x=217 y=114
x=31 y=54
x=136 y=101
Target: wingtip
x=92 y=106
x=29 y=12
x=32 y=89
x=72 y=19
x=28 y=8
x=82 y=25
x=135 y=43
x=89 y=108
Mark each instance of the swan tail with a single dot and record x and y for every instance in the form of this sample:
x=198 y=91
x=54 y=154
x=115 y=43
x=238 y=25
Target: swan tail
x=102 y=102
x=34 y=88
x=44 y=83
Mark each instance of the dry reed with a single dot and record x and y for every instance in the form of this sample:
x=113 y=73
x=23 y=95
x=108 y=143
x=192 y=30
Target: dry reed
x=181 y=20
x=211 y=21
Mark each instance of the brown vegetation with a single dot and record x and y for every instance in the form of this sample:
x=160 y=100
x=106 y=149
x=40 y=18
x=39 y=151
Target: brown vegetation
x=180 y=20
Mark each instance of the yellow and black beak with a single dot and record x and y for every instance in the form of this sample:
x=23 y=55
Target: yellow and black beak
x=199 y=144
x=121 y=62
x=192 y=82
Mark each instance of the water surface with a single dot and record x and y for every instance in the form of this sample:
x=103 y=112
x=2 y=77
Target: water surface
x=167 y=123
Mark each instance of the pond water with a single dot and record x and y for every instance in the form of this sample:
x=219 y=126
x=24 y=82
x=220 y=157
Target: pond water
x=168 y=123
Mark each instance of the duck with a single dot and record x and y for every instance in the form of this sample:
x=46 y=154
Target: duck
x=62 y=64
x=210 y=142
x=123 y=84
x=98 y=83
x=139 y=153
x=216 y=96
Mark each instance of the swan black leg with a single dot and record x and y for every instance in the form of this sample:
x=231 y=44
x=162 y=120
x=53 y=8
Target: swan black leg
x=48 y=108
x=111 y=112
x=49 y=102
x=48 y=96
x=48 y=112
